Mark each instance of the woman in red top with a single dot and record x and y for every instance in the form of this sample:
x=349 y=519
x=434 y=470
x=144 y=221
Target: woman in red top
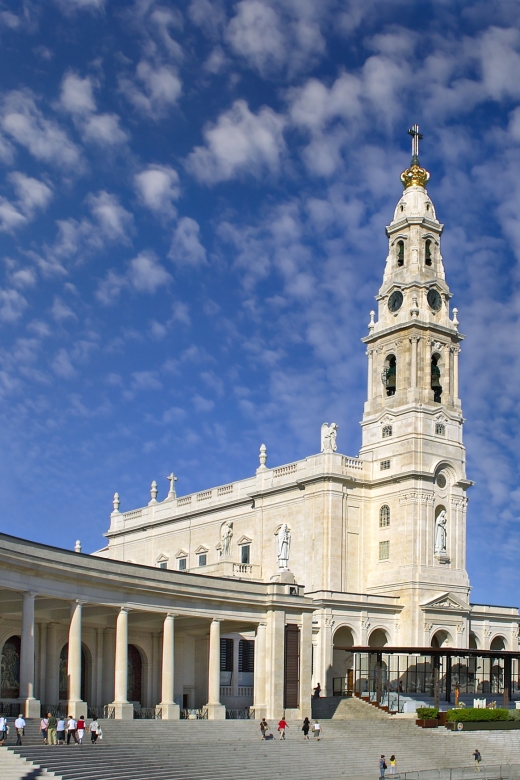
x=281 y=728
x=81 y=729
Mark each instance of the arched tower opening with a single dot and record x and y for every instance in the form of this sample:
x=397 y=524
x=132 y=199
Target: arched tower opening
x=400 y=253
x=390 y=375
x=436 y=378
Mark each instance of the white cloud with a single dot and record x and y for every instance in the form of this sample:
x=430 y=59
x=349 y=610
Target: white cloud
x=104 y=129
x=62 y=365
x=23 y=277
x=71 y=6
x=274 y=35
x=77 y=95
x=115 y=221
x=209 y=15
x=145 y=380
x=12 y=305
x=240 y=142
x=155 y=89
x=157 y=187
x=146 y=274
x=21 y=119
x=60 y=311
x=10 y=217
x=186 y=247
x=32 y=194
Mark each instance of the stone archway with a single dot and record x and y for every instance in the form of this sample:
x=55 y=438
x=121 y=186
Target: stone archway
x=442 y=638
x=64 y=673
x=378 y=638
x=498 y=643
x=343 y=659
x=10 y=668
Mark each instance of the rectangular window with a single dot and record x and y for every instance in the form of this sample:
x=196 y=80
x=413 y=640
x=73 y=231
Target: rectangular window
x=202 y=559
x=384 y=465
x=226 y=655
x=182 y=564
x=246 y=655
x=440 y=429
x=384 y=551
x=245 y=553
x=163 y=564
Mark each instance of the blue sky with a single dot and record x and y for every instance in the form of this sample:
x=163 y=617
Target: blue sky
x=192 y=209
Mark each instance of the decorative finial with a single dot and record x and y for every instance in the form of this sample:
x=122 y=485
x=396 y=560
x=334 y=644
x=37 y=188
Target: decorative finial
x=153 y=493
x=455 y=320
x=116 y=502
x=372 y=324
x=414 y=311
x=262 y=457
x=171 y=492
x=415 y=176
x=77 y=546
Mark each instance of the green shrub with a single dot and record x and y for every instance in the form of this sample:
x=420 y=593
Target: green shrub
x=514 y=714
x=427 y=713
x=472 y=714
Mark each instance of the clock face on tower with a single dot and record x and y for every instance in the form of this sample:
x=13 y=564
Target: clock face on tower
x=395 y=301
x=434 y=300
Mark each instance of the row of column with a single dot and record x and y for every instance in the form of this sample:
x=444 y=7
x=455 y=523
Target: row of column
x=269 y=655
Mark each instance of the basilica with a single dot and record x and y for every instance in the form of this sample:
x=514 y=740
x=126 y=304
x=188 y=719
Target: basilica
x=245 y=596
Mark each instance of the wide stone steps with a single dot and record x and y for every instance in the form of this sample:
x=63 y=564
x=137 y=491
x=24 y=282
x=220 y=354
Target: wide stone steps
x=209 y=750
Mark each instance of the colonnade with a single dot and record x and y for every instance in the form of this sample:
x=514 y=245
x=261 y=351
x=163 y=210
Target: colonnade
x=113 y=644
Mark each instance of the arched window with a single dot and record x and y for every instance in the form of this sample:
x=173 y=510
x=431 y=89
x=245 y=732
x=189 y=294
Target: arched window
x=387 y=431
x=436 y=379
x=400 y=253
x=11 y=668
x=440 y=429
x=384 y=516
x=389 y=375
x=428 y=252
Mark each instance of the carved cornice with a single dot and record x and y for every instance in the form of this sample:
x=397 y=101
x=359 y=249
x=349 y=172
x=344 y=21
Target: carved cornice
x=416 y=497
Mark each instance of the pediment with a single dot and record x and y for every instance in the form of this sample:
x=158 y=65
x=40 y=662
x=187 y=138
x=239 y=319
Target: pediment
x=201 y=550
x=162 y=558
x=445 y=601
x=181 y=554
x=244 y=540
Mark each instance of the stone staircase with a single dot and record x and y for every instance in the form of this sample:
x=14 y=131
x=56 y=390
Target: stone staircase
x=212 y=750
x=346 y=708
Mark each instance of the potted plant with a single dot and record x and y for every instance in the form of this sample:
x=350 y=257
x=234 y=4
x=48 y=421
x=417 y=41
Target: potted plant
x=427 y=717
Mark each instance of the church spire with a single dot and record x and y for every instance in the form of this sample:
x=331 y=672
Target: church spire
x=415 y=176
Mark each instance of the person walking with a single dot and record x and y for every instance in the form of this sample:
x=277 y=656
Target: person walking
x=305 y=728
x=264 y=727
x=382 y=767
x=317 y=691
x=60 y=731
x=393 y=764
x=282 y=725
x=72 y=728
x=316 y=727
x=3 y=729
x=94 y=728
x=477 y=758
x=19 y=725
x=44 y=726
x=81 y=729
x=51 y=731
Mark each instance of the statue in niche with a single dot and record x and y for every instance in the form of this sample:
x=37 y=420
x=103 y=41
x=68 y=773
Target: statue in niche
x=284 y=544
x=328 y=437
x=440 y=532
x=226 y=534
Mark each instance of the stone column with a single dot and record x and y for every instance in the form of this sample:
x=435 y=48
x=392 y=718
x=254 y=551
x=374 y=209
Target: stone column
x=52 y=692
x=306 y=665
x=123 y=709
x=170 y=710
x=76 y=706
x=42 y=642
x=31 y=705
x=370 y=384
x=216 y=710
x=276 y=660
x=236 y=664
x=456 y=372
x=260 y=667
x=413 y=363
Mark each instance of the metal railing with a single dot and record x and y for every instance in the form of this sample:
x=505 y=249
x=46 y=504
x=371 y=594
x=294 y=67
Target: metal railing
x=109 y=712
x=147 y=713
x=96 y=712
x=58 y=710
x=492 y=772
x=241 y=713
x=194 y=714
x=10 y=709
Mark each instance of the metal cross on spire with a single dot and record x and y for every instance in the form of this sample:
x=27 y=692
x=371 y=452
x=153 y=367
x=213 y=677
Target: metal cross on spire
x=416 y=137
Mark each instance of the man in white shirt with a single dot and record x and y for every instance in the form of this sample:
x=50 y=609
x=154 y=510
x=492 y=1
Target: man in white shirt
x=72 y=730
x=3 y=725
x=19 y=725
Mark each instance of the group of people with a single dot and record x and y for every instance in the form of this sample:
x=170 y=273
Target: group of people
x=54 y=730
x=383 y=766
x=283 y=725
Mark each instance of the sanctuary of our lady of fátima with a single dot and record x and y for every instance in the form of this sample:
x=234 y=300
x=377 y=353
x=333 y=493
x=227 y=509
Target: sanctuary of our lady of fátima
x=347 y=571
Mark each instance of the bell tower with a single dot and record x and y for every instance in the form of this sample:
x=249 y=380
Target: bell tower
x=412 y=421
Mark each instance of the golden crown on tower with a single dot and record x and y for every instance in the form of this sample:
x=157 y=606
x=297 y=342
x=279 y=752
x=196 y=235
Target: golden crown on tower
x=415 y=176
